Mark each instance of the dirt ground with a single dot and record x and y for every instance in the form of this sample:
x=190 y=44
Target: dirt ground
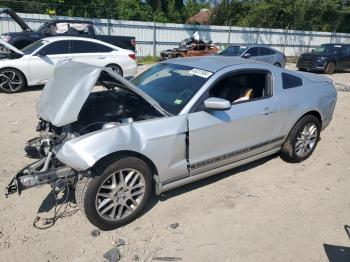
x=268 y=210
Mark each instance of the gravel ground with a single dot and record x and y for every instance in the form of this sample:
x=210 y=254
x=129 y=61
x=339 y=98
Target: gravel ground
x=268 y=210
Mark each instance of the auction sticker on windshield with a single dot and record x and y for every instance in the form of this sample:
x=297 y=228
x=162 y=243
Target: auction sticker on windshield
x=200 y=73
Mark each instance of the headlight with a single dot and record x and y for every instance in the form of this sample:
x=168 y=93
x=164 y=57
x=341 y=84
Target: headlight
x=6 y=38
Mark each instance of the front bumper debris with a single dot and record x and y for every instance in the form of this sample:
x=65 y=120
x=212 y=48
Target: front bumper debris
x=32 y=176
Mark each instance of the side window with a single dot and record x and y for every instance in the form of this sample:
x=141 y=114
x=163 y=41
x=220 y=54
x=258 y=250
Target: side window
x=243 y=86
x=254 y=51
x=105 y=49
x=348 y=50
x=265 y=51
x=56 y=48
x=291 y=81
x=77 y=46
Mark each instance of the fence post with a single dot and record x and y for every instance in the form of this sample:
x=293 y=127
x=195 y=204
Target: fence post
x=154 y=37
x=229 y=34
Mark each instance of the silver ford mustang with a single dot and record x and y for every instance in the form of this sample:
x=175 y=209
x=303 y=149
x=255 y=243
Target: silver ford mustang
x=116 y=141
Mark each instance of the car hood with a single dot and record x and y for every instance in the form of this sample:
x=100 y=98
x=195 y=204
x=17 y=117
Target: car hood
x=70 y=85
x=317 y=55
x=6 y=46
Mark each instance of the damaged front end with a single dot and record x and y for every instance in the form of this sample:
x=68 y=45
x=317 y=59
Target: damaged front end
x=47 y=169
x=69 y=109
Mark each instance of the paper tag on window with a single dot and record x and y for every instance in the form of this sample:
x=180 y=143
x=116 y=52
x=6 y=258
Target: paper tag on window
x=200 y=73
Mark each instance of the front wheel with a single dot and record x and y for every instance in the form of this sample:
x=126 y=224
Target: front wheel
x=11 y=80
x=302 y=140
x=330 y=68
x=117 y=196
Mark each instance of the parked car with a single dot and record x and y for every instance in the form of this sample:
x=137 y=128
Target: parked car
x=193 y=46
x=180 y=121
x=80 y=28
x=326 y=58
x=256 y=52
x=34 y=64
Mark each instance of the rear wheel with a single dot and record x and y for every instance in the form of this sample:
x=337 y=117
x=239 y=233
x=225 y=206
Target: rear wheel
x=11 y=80
x=330 y=68
x=116 y=69
x=277 y=64
x=117 y=196
x=302 y=140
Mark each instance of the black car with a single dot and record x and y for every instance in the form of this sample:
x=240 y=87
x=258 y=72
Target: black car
x=326 y=58
x=81 y=28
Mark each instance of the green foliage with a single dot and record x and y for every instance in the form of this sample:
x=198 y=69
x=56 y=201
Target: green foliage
x=321 y=15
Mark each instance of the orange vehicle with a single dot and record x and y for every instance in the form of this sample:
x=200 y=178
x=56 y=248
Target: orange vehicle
x=190 y=47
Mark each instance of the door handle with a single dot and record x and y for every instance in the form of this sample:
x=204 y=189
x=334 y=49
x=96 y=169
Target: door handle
x=268 y=111
x=67 y=59
x=102 y=57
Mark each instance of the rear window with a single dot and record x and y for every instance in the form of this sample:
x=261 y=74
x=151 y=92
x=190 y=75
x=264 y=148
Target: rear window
x=88 y=47
x=266 y=51
x=291 y=81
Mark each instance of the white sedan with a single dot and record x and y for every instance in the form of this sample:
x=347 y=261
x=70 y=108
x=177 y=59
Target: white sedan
x=34 y=64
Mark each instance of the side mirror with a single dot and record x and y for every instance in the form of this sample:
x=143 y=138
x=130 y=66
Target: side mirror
x=216 y=104
x=312 y=50
x=41 y=53
x=247 y=55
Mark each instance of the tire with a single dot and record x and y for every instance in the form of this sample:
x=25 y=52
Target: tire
x=92 y=193
x=330 y=68
x=296 y=148
x=277 y=64
x=116 y=69
x=12 y=80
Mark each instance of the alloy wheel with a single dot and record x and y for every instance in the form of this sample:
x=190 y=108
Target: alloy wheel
x=306 y=140
x=120 y=194
x=10 y=81
x=115 y=69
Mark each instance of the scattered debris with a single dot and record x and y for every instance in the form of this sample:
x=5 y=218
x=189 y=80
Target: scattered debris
x=174 y=225
x=328 y=164
x=119 y=242
x=342 y=87
x=112 y=255
x=167 y=258
x=95 y=232
x=136 y=258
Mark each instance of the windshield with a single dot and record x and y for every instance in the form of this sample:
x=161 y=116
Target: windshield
x=327 y=49
x=33 y=46
x=233 y=51
x=172 y=86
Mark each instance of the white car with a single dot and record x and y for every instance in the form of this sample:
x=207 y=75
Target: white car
x=34 y=64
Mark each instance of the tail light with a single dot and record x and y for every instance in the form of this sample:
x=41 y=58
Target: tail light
x=133 y=42
x=132 y=56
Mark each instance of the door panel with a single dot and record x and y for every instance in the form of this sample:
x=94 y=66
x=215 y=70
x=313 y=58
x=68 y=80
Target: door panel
x=222 y=137
x=42 y=64
x=41 y=67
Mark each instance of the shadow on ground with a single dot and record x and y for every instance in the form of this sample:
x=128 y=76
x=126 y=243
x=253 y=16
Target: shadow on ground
x=66 y=206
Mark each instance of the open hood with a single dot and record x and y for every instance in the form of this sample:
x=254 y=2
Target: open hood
x=70 y=85
x=16 y=18
x=4 y=47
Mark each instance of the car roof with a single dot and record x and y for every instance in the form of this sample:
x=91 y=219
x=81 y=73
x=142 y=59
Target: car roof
x=212 y=63
x=333 y=44
x=59 y=38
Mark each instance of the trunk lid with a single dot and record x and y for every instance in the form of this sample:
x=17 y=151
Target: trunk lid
x=70 y=85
